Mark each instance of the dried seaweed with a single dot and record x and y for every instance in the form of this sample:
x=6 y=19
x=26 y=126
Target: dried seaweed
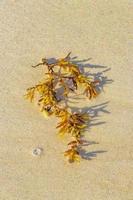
x=66 y=75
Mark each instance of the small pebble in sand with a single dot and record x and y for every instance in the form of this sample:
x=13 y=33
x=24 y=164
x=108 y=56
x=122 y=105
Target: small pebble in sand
x=37 y=151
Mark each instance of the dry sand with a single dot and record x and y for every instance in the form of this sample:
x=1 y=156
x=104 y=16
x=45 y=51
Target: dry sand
x=30 y=30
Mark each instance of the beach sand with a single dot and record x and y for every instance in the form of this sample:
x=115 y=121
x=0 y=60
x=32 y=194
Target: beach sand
x=100 y=30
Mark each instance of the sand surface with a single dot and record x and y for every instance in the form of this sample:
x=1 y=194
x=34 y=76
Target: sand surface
x=100 y=30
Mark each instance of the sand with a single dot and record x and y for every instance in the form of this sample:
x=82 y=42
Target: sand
x=100 y=30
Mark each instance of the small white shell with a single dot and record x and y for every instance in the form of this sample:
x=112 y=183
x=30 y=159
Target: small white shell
x=37 y=151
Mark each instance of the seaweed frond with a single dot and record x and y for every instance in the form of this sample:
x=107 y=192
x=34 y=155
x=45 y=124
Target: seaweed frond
x=62 y=78
x=72 y=123
x=72 y=155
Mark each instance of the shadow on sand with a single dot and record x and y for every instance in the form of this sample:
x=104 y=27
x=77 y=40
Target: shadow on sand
x=93 y=111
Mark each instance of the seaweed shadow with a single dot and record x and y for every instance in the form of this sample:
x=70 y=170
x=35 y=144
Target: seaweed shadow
x=90 y=155
x=94 y=112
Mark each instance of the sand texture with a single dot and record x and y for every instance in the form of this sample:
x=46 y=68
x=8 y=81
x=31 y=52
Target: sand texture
x=100 y=30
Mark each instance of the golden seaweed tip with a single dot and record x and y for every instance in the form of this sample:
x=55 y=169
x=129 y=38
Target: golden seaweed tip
x=72 y=155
